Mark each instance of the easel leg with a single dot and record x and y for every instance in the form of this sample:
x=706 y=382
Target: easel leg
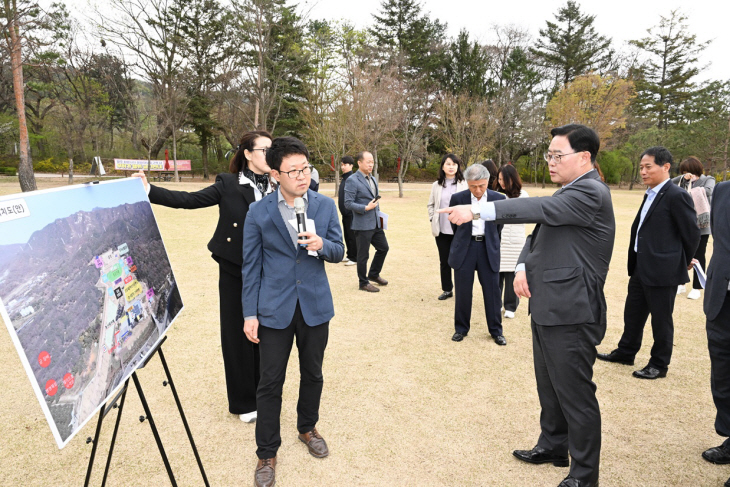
x=93 y=448
x=114 y=435
x=148 y=413
x=182 y=416
x=102 y=414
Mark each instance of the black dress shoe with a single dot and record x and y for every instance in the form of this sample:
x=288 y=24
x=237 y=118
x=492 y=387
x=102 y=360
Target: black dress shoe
x=446 y=295
x=574 y=482
x=499 y=340
x=540 y=455
x=649 y=372
x=615 y=357
x=719 y=455
x=457 y=337
x=727 y=484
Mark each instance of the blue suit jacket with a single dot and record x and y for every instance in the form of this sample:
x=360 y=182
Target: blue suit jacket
x=462 y=233
x=357 y=195
x=276 y=274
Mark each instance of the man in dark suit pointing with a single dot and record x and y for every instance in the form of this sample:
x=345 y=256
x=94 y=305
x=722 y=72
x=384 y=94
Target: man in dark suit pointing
x=562 y=269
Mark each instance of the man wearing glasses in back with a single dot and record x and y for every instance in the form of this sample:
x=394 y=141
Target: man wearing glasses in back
x=286 y=294
x=562 y=269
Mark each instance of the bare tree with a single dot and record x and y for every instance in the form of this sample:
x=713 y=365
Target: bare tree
x=24 y=22
x=146 y=33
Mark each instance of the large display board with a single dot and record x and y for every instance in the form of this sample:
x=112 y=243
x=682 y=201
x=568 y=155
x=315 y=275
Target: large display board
x=86 y=292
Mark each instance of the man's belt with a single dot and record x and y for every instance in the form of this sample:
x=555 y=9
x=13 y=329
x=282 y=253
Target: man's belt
x=478 y=238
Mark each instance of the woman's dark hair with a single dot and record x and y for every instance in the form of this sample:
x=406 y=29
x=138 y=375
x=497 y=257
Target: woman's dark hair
x=512 y=182
x=459 y=176
x=282 y=147
x=692 y=165
x=492 y=168
x=238 y=161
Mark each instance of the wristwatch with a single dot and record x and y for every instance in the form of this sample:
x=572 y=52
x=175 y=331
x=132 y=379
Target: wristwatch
x=475 y=212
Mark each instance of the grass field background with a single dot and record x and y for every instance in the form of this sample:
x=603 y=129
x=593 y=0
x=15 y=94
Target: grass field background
x=402 y=404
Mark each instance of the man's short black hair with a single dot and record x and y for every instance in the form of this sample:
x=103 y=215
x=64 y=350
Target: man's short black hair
x=282 y=147
x=661 y=155
x=581 y=138
x=347 y=160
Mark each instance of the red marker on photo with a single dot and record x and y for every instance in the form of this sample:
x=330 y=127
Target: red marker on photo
x=44 y=359
x=51 y=387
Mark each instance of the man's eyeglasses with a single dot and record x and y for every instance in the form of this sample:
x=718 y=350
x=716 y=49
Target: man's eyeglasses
x=557 y=157
x=294 y=173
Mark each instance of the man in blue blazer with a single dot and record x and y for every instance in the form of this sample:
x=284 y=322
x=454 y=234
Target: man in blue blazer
x=476 y=248
x=361 y=191
x=286 y=294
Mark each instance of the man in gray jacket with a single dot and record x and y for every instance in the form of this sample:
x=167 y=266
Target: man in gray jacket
x=562 y=269
x=361 y=198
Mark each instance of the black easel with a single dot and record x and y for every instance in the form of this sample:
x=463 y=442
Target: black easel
x=121 y=396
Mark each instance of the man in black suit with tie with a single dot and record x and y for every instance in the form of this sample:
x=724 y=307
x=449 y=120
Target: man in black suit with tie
x=476 y=248
x=346 y=164
x=664 y=238
x=717 y=310
x=567 y=255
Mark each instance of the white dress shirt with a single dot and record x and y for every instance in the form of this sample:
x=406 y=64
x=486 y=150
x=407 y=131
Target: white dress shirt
x=650 y=195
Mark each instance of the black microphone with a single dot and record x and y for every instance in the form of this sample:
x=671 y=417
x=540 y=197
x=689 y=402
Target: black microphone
x=301 y=216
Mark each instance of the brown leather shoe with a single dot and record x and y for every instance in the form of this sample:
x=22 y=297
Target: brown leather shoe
x=265 y=475
x=369 y=288
x=315 y=443
x=379 y=280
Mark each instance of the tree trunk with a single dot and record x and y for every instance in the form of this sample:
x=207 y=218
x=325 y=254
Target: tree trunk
x=727 y=140
x=220 y=156
x=160 y=142
x=543 y=176
x=70 y=169
x=26 y=178
x=174 y=155
x=204 y=149
x=375 y=165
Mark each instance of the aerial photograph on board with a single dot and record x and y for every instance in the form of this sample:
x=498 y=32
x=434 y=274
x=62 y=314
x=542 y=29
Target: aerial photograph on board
x=87 y=288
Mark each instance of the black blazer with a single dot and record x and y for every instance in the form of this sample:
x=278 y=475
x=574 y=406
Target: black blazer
x=718 y=272
x=668 y=239
x=462 y=233
x=233 y=201
x=341 y=195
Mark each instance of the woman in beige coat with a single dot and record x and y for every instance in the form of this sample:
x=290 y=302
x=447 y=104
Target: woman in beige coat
x=450 y=181
x=512 y=240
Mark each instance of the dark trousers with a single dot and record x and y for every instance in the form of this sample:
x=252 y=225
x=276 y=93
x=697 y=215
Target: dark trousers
x=641 y=301
x=240 y=356
x=700 y=256
x=350 y=243
x=718 y=343
x=506 y=286
x=476 y=260
x=570 y=418
x=276 y=347
x=364 y=238
x=443 y=243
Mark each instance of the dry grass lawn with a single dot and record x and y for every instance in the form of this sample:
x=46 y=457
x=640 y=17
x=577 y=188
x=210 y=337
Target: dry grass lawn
x=402 y=404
